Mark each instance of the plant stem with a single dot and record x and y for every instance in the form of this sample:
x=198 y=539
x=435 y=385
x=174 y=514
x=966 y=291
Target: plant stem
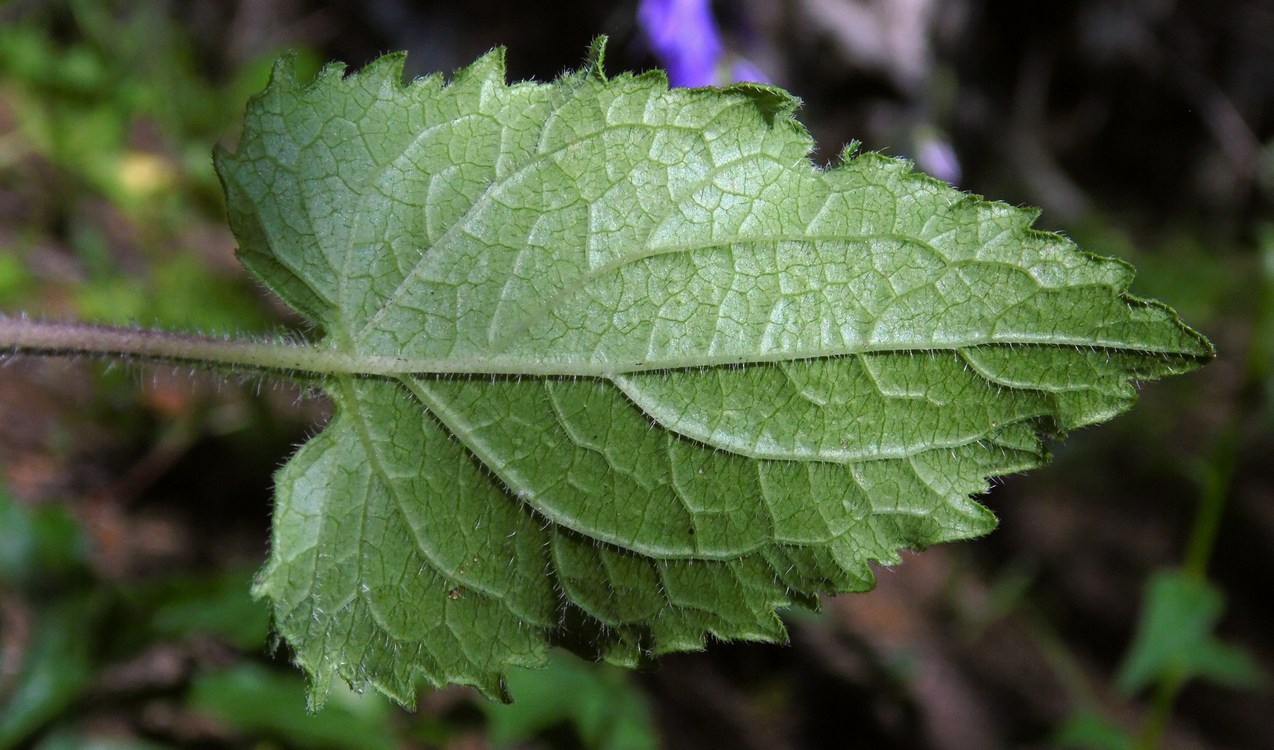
x=1216 y=477
x=36 y=337
x=1156 y=722
x=1216 y=474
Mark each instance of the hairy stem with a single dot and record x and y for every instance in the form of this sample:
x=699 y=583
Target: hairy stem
x=44 y=338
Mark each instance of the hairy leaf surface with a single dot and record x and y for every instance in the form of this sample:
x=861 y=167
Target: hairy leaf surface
x=631 y=371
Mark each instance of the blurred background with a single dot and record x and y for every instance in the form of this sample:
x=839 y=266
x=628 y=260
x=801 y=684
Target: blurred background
x=1125 y=602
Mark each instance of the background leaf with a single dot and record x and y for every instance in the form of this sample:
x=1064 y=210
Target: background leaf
x=43 y=553
x=605 y=711
x=1175 y=638
x=253 y=700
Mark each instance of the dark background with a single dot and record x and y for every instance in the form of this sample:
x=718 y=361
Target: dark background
x=136 y=500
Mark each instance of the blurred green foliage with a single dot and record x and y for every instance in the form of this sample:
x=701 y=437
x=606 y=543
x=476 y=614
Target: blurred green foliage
x=258 y=702
x=1088 y=730
x=595 y=700
x=113 y=120
x=1174 y=637
x=119 y=102
x=43 y=561
x=218 y=605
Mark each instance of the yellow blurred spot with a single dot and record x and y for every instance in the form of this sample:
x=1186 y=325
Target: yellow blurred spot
x=143 y=174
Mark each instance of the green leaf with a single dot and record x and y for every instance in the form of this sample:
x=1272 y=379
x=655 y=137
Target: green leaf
x=1174 y=637
x=44 y=560
x=617 y=367
x=42 y=551
x=1089 y=730
x=605 y=710
x=57 y=667
x=214 y=605
x=260 y=703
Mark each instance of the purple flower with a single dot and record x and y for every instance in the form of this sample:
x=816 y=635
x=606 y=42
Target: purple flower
x=684 y=36
x=937 y=157
x=744 y=70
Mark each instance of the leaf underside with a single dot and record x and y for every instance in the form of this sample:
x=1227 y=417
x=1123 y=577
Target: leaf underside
x=661 y=375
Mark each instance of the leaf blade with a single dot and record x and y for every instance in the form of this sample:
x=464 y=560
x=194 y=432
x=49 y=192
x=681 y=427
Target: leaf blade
x=699 y=378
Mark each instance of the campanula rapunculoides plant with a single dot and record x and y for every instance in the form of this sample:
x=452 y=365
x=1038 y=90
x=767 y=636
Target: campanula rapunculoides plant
x=615 y=367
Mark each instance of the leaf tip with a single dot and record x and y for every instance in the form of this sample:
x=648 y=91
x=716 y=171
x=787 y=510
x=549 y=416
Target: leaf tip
x=320 y=685
x=594 y=64
x=773 y=102
x=283 y=72
x=220 y=162
x=502 y=690
x=388 y=67
x=849 y=151
x=490 y=67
